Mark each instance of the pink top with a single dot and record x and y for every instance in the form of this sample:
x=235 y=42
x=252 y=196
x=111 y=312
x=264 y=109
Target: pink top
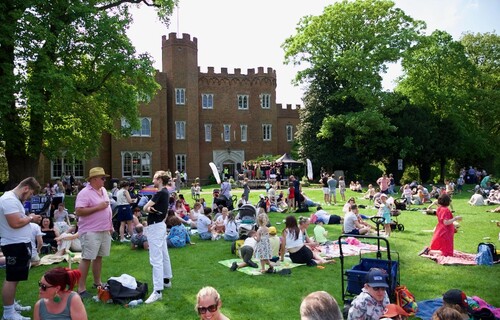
x=99 y=220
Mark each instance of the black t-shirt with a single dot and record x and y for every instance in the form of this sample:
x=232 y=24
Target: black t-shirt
x=161 y=205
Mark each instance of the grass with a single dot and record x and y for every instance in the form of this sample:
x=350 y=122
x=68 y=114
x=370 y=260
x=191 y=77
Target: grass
x=277 y=297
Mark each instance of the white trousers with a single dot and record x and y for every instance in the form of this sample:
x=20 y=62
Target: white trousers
x=158 y=254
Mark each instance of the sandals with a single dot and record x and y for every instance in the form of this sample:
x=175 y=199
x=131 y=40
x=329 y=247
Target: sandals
x=97 y=285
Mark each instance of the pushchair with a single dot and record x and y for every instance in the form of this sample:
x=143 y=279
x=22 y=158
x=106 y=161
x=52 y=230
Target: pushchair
x=356 y=276
x=247 y=215
x=225 y=202
x=395 y=225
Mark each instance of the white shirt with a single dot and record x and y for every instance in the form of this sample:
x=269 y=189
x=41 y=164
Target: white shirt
x=36 y=231
x=231 y=228
x=10 y=204
x=203 y=223
x=350 y=221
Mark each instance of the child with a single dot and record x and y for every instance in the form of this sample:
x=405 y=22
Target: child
x=320 y=233
x=342 y=187
x=460 y=184
x=219 y=225
x=442 y=240
x=263 y=246
x=139 y=240
x=408 y=195
x=197 y=191
x=385 y=212
x=193 y=191
x=291 y=196
x=230 y=228
x=246 y=252
x=275 y=244
x=370 y=193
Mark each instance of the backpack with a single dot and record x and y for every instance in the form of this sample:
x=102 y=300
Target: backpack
x=406 y=300
x=486 y=254
x=122 y=295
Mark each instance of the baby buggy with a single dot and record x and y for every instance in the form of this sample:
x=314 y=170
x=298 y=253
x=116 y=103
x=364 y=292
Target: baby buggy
x=395 y=225
x=220 y=199
x=247 y=215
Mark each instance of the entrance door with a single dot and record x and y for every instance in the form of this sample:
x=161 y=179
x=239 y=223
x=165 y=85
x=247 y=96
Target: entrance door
x=228 y=168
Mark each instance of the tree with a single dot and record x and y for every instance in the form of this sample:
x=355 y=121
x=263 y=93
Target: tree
x=345 y=50
x=439 y=77
x=483 y=51
x=67 y=73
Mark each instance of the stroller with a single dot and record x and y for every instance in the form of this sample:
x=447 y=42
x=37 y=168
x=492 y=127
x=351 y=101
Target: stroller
x=353 y=279
x=247 y=214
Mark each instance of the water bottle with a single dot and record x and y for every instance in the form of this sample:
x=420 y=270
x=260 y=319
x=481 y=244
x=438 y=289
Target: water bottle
x=134 y=303
x=327 y=249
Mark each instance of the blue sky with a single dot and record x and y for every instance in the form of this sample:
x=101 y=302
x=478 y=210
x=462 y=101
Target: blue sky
x=248 y=34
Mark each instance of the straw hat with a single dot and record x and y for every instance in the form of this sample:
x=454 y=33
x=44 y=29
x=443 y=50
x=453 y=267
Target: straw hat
x=97 y=172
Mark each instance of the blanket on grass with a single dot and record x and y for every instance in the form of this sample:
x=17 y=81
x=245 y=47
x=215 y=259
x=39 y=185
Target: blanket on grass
x=459 y=258
x=287 y=264
x=478 y=307
x=52 y=258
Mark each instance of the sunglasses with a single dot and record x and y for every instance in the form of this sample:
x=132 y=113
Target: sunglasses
x=43 y=286
x=103 y=178
x=378 y=288
x=203 y=310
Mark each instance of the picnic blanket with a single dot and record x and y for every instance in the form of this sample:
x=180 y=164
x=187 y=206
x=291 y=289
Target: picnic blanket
x=287 y=264
x=52 y=258
x=459 y=258
x=478 y=306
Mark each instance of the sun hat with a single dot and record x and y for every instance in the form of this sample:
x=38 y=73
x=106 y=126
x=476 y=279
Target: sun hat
x=393 y=310
x=383 y=195
x=456 y=296
x=272 y=231
x=96 y=172
x=376 y=279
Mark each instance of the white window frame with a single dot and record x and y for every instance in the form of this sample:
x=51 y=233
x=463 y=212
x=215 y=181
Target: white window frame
x=243 y=101
x=265 y=101
x=226 y=132
x=180 y=162
x=207 y=101
x=208 y=132
x=267 y=132
x=244 y=132
x=289 y=132
x=62 y=165
x=180 y=96
x=180 y=130
x=143 y=131
x=136 y=164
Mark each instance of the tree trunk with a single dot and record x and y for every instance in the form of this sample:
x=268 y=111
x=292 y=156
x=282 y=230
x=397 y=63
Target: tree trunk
x=21 y=167
x=442 y=169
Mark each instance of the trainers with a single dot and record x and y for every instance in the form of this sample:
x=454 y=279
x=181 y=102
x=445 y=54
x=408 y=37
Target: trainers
x=234 y=266
x=20 y=308
x=155 y=296
x=85 y=295
x=125 y=240
x=16 y=316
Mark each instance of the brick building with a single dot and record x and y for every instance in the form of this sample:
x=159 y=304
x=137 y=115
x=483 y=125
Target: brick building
x=195 y=118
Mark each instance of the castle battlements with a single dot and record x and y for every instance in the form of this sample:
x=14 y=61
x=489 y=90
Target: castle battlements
x=270 y=72
x=185 y=40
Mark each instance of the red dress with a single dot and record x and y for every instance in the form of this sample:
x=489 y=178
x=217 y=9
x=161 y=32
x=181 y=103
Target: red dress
x=443 y=235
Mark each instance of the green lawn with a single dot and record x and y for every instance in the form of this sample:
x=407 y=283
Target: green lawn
x=278 y=297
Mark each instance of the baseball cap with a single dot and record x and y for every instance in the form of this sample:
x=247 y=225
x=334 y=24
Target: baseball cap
x=272 y=231
x=456 y=296
x=377 y=279
x=393 y=310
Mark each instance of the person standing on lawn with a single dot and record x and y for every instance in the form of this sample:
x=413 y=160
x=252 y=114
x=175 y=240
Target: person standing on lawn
x=15 y=234
x=94 y=227
x=442 y=240
x=159 y=258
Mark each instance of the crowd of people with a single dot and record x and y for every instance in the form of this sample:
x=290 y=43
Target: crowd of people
x=170 y=221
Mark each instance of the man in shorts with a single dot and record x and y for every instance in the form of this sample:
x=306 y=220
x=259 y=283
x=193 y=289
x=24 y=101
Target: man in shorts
x=15 y=233
x=94 y=227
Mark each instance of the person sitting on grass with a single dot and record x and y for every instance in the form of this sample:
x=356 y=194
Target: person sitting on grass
x=178 y=236
x=320 y=233
x=353 y=224
x=208 y=304
x=230 y=228
x=246 y=252
x=476 y=199
x=68 y=240
x=275 y=243
x=139 y=239
x=370 y=304
x=205 y=225
x=447 y=313
x=320 y=305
